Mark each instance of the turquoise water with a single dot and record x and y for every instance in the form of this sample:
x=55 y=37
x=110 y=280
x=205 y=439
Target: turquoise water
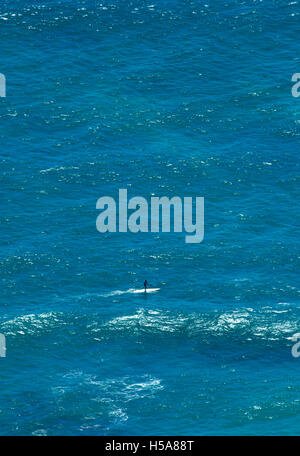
x=188 y=98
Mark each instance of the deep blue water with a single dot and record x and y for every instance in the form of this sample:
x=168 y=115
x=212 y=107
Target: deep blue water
x=188 y=98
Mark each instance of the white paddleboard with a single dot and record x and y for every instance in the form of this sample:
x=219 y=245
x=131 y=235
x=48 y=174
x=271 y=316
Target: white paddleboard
x=149 y=290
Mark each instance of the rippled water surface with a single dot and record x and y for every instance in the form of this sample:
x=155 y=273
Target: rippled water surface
x=188 y=98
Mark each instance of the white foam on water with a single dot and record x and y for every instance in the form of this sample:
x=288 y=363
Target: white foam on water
x=130 y=290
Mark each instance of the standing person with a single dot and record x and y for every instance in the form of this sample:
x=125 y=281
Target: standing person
x=145 y=285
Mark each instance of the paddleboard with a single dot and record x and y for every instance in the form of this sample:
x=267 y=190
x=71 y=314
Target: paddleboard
x=149 y=290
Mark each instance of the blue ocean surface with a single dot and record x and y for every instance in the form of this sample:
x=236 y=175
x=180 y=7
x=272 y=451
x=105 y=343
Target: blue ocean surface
x=164 y=98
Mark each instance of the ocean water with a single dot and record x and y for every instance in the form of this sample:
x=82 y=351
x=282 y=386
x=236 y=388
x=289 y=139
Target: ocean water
x=165 y=98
